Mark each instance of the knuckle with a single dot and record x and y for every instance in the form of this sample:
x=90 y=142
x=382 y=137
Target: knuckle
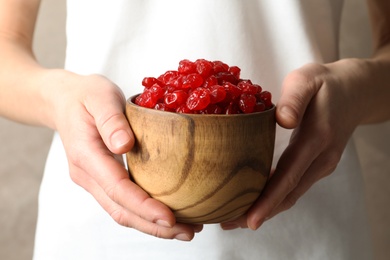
x=292 y=181
x=112 y=191
x=119 y=217
x=75 y=177
x=290 y=200
x=330 y=162
x=76 y=165
x=75 y=160
x=111 y=120
x=157 y=232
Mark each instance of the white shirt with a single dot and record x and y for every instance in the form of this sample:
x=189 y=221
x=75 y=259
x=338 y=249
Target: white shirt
x=128 y=40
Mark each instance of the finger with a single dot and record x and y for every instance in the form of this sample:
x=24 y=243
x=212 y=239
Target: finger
x=99 y=164
x=298 y=89
x=127 y=218
x=120 y=189
x=107 y=109
x=240 y=222
x=321 y=167
x=287 y=176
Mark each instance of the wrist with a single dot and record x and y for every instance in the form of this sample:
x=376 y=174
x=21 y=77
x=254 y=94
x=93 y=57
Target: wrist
x=367 y=86
x=377 y=89
x=55 y=88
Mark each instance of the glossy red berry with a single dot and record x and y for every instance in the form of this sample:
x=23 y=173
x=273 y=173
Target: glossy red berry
x=147 y=82
x=204 y=87
x=146 y=99
x=210 y=81
x=266 y=98
x=168 y=76
x=217 y=94
x=157 y=92
x=232 y=109
x=198 y=99
x=219 y=66
x=192 y=80
x=247 y=87
x=212 y=109
x=175 y=99
x=186 y=67
x=163 y=107
x=259 y=107
x=226 y=77
x=204 y=67
x=184 y=109
x=234 y=91
x=247 y=103
x=235 y=71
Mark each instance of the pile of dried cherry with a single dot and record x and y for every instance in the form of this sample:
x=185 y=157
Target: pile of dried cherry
x=203 y=87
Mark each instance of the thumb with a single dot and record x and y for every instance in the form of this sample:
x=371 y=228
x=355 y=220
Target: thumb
x=107 y=108
x=298 y=89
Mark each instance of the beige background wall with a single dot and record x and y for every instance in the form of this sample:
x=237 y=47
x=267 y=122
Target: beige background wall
x=23 y=148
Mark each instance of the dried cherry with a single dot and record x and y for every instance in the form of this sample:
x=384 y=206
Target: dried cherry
x=204 y=87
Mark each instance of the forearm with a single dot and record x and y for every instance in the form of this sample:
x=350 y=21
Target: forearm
x=375 y=73
x=21 y=77
x=368 y=80
x=21 y=86
x=378 y=86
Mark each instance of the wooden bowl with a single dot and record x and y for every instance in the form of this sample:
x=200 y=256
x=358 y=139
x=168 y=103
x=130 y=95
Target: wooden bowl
x=206 y=168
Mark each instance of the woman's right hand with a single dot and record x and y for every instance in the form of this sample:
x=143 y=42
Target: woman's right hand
x=88 y=113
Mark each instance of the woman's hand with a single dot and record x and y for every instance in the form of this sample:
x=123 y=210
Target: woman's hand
x=88 y=113
x=324 y=104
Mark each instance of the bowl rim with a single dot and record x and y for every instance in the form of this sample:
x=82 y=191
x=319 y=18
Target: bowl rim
x=131 y=99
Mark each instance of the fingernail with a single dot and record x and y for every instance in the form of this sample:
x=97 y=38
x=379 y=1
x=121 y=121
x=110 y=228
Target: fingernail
x=163 y=223
x=198 y=228
x=229 y=226
x=120 y=138
x=257 y=224
x=183 y=237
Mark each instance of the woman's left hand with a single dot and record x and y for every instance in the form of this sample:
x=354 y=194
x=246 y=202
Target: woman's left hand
x=324 y=104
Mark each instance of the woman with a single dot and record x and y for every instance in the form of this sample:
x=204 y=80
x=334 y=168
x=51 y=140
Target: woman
x=116 y=43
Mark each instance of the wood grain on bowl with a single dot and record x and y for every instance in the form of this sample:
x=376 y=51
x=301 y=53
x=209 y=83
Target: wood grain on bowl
x=206 y=168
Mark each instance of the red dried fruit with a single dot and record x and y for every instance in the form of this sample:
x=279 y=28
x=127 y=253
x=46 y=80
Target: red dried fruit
x=225 y=77
x=168 y=76
x=217 y=94
x=163 y=107
x=247 y=103
x=146 y=99
x=212 y=109
x=232 y=109
x=198 y=99
x=175 y=99
x=210 y=81
x=157 y=92
x=234 y=91
x=186 y=67
x=259 y=107
x=192 y=80
x=247 y=87
x=266 y=97
x=219 y=66
x=204 y=67
x=204 y=87
x=184 y=109
x=149 y=81
x=235 y=71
